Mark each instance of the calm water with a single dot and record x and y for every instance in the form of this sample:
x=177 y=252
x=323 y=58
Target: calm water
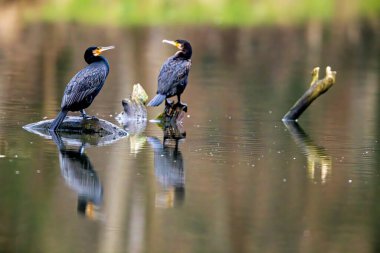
x=241 y=181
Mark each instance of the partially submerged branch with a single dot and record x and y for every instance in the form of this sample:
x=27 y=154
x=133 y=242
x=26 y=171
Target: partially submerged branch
x=317 y=88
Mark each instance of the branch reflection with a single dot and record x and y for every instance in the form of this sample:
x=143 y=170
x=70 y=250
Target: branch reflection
x=80 y=176
x=319 y=163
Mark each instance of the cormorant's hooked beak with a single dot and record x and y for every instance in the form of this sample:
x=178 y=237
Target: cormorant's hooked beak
x=176 y=44
x=99 y=50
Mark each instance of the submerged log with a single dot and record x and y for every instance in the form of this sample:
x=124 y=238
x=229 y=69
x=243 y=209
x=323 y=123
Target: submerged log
x=76 y=124
x=317 y=88
x=76 y=131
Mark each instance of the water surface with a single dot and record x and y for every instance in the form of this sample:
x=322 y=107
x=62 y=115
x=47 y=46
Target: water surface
x=241 y=180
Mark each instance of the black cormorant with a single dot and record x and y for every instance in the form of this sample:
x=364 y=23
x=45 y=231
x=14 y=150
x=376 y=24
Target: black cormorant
x=172 y=79
x=85 y=85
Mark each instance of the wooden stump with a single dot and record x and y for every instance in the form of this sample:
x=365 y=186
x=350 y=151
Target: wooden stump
x=134 y=106
x=134 y=116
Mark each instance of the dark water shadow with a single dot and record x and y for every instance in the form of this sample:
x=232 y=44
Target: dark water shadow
x=79 y=174
x=169 y=166
x=319 y=163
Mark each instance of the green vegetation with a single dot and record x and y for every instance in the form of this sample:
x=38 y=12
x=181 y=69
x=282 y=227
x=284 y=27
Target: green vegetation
x=221 y=12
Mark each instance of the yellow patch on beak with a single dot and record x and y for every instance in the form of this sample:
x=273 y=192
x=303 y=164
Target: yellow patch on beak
x=90 y=213
x=98 y=51
x=176 y=44
x=179 y=45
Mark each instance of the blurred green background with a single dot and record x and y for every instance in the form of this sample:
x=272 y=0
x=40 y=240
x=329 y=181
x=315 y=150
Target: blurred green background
x=214 y=12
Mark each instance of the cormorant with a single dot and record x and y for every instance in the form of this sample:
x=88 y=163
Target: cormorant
x=172 y=79
x=85 y=85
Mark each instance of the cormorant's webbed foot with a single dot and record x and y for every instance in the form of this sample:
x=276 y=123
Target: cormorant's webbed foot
x=85 y=116
x=169 y=103
x=168 y=106
x=183 y=106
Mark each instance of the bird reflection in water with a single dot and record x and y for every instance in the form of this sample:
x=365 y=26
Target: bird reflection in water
x=80 y=176
x=169 y=167
x=319 y=163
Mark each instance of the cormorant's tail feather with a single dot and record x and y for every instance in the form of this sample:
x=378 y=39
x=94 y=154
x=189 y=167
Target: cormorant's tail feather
x=58 y=120
x=157 y=100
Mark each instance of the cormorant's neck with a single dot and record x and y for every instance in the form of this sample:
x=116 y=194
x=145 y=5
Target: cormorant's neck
x=90 y=59
x=99 y=58
x=184 y=54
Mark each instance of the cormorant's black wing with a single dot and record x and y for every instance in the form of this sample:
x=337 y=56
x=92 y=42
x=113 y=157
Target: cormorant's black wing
x=87 y=82
x=173 y=73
